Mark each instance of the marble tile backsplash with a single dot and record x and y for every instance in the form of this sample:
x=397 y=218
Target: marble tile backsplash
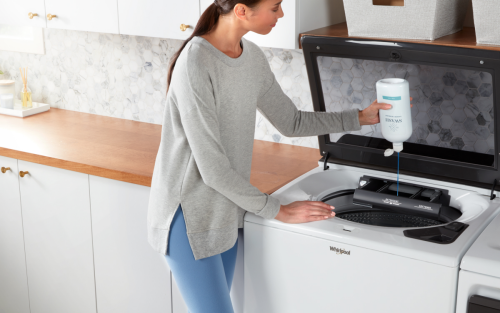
x=125 y=77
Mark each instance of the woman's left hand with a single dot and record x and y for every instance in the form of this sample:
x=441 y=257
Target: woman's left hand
x=369 y=116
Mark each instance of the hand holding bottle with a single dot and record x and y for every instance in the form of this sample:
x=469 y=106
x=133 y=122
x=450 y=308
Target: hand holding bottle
x=370 y=116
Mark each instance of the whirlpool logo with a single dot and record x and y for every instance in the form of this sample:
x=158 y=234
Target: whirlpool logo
x=340 y=251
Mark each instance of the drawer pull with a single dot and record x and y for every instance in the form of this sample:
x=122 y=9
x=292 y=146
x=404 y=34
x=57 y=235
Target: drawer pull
x=50 y=16
x=184 y=27
x=21 y=173
x=31 y=15
x=5 y=169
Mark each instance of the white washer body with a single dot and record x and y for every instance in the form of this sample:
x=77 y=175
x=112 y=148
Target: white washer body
x=341 y=266
x=480 y=268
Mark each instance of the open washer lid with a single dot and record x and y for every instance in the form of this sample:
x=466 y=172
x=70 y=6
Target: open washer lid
x=455 y=137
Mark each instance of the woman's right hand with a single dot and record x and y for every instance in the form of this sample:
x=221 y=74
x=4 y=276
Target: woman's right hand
x=304 y=211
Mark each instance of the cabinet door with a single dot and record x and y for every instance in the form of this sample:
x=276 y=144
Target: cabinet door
x=90 y=15
x=158 y=18
x=16 y=12
x=130 y=276
x=13 y=281
x=58 y=239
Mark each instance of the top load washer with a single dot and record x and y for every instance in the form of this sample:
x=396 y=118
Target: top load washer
x=479 y=278
x=391 y=247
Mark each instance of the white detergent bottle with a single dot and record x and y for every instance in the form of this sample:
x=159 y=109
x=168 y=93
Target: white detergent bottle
x=395 y=123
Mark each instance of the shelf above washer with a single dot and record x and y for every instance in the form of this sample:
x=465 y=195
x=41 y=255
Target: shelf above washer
x=466 y=38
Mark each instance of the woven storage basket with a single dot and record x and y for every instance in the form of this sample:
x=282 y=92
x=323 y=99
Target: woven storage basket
x=417 y=19
x=487 y=21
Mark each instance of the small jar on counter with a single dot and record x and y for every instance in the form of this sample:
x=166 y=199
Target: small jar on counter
x=7 y=94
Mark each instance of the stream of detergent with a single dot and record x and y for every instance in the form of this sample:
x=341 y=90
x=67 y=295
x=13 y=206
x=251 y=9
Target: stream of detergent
x=397 y=189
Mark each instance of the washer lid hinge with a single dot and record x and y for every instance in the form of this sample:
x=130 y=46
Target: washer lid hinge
x=325 y=167
x=493 y=196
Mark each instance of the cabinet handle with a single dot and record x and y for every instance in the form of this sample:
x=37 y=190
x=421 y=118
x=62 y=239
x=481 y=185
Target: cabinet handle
x=5 y=169
x=50 y=16
x=31 y=15
x=184 y=27
x=21 y=173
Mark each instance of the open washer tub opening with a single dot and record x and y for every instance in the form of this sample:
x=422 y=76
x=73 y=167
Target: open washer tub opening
x=375 y=202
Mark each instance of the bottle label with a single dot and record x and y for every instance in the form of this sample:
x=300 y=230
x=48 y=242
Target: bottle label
x=391 y=98
x=393 y=118
x=393 y=122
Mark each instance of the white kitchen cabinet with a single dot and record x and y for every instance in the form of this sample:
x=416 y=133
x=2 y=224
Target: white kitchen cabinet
x=13 y=280
x=17 y=13
x=90 y=15
x=130 y=276
x=58 y=239
x=299 y=16
x=78 y=243
x=158 y=18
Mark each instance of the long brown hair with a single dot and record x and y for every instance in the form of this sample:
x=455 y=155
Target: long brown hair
x=207 y=22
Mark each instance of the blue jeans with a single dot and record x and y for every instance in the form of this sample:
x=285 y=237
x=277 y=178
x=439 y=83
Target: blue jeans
x=205 y=283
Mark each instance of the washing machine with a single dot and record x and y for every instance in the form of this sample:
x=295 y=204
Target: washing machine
x=479 y=277
x=366 y=259
x=399 y=235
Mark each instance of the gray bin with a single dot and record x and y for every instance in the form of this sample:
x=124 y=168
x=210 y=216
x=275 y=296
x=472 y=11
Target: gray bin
x=487 y=21
x=417 y=19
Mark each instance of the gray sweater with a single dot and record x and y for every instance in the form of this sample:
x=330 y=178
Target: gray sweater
x=205 y=153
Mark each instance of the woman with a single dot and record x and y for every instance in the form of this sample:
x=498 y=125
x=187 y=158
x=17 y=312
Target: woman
x=201 y=182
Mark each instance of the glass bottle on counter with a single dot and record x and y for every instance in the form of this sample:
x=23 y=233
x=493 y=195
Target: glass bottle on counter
x=26 y=98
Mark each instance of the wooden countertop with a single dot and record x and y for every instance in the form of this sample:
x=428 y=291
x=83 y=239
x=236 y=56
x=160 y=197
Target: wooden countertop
x=126 y=150
x=466 y=38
